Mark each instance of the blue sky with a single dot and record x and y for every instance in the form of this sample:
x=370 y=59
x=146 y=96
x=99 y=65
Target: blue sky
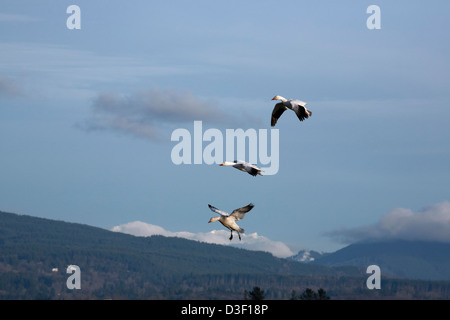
x=79 y=143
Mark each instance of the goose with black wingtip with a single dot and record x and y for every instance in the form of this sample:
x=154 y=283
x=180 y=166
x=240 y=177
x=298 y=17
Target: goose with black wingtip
x=229 y=220
x=298 y=106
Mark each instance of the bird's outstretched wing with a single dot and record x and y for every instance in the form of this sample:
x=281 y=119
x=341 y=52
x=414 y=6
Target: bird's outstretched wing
x=277 y=112
x=240 y=213
x=214 y=209
x=252 y=169
x=298 y=102
x=300 y=111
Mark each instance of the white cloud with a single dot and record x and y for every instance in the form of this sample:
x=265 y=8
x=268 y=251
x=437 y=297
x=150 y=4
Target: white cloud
x=429 y=224
x=251 y=241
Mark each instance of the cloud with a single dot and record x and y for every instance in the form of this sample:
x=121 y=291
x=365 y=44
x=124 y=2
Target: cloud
x=9 y=88
x=251 y=241
x=146 y=113
x=429 y=224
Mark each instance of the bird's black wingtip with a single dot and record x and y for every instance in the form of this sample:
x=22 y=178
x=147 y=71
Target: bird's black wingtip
x=253 y=171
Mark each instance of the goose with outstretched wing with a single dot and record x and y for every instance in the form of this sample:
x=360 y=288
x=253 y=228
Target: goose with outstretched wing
x=298 y=106
x=250 y=168
x=229 y=220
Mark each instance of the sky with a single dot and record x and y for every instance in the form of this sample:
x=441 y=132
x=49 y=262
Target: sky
x=87 y=117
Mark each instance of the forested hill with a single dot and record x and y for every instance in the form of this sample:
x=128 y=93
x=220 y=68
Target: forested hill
x=407 y=259
x=57 y=244
x=35 y=252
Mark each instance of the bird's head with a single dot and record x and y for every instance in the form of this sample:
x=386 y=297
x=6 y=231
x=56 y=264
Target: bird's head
x=213 y=219
x=278 y=98
x=227 y=163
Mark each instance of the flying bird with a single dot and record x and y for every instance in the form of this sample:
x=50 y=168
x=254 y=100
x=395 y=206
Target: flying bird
x=297 y=106
x=243 y=166
x=229 y=220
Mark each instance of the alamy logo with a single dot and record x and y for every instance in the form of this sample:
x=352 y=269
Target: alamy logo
x=373 y=281
x=191 y=149
x=374 y=21
x=73 y=281
x=74 y=20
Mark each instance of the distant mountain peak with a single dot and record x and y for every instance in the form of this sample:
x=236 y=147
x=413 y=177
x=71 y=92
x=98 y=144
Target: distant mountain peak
x=306 y=256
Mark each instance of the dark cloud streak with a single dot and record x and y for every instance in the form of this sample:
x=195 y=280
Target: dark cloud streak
x=9 y=88
x=429 y=224
x=148 y=113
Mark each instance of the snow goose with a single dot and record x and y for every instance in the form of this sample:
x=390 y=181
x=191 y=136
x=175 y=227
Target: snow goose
x=229 y=220
x=297 y=106
x=244 y=166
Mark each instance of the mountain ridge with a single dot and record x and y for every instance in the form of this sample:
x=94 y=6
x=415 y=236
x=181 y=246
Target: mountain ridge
x=420 y=260
x=121 y=266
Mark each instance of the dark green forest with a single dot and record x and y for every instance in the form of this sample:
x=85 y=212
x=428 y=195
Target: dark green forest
x=119 y=266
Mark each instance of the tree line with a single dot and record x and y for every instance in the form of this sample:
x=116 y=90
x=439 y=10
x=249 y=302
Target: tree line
x=308 y=294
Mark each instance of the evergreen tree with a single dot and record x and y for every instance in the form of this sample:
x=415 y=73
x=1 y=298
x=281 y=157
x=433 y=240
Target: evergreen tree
x=322 y=295
x=255 y=294
x=310 y=294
